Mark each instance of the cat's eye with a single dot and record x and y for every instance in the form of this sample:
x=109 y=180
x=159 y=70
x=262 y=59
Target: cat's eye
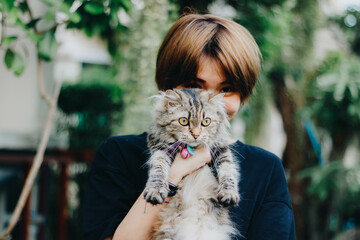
x=206 y=122
x=183 y=121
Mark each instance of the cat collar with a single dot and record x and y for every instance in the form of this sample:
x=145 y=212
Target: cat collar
x=187 y=151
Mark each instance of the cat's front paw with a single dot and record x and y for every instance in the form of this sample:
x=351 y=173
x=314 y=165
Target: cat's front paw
x=228 y=197
x=156 y=193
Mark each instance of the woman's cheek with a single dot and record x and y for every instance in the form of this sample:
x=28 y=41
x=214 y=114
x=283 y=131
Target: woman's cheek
x=232 y=105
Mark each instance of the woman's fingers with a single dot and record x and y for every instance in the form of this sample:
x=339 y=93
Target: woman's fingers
x=202 y=154
x=182 y=167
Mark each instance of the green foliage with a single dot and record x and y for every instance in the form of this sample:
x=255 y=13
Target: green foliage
x=256 y=110
x=324 y=179
x=276 y=36
x=350 y=24
x=96 y=107
x=334 y=99
x=101 y=18
x=90 y=98
x=47 y=46
x=137 y=69
x=15 y=62
x=8 y=40
x=93 y=17
x=336 y=179
x=333 y=102
x=199 y=6
x=256 y=16
x=94 y=74
x=94 y=8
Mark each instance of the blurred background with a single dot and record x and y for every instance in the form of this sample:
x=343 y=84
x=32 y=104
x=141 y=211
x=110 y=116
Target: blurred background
x=305 y=109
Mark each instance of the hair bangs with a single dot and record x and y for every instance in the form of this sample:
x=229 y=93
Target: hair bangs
x=194 y=36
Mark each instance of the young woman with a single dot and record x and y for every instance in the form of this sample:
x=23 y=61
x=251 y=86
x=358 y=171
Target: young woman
x=211 y=53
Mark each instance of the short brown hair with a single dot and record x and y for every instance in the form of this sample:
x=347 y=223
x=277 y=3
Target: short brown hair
x=193 y=36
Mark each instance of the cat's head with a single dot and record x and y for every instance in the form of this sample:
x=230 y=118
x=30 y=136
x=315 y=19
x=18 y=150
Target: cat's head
x=193 y=116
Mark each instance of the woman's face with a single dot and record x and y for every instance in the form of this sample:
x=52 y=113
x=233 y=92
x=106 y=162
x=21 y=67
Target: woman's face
x=211 y=77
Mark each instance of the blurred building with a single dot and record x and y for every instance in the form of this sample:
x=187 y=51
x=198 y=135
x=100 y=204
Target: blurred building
x=22 y=119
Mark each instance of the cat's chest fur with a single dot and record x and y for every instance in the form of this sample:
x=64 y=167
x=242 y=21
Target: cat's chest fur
x=192 y=213
x=196 y=187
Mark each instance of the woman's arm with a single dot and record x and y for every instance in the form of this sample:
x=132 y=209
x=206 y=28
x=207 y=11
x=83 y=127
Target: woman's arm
x=138 y=222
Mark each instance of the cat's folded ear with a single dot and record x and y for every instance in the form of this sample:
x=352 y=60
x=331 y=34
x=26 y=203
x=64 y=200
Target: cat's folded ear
x=170 y=98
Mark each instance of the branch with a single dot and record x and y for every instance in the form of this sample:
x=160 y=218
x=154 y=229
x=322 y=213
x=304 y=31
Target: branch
x=43 y=92
x=38 y=159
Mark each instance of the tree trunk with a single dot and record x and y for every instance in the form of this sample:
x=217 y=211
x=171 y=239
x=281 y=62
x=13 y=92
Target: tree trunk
x=293 y=156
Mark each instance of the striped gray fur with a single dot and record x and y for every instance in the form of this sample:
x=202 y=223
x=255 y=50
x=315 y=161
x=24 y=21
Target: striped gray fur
x=199 y=209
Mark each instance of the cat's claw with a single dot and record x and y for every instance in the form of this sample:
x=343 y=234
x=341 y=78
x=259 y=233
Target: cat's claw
x=228 y=198
x=155 y=194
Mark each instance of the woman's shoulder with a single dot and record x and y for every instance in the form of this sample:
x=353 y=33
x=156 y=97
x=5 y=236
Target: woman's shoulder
x=254 y=155
x=262 y=172
x=117 y=150
x=134 y=141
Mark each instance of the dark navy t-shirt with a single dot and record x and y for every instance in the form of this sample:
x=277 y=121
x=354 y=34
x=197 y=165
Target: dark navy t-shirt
x=119 y=173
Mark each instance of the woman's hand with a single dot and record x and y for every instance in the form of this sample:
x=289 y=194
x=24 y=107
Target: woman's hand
x=183 y=167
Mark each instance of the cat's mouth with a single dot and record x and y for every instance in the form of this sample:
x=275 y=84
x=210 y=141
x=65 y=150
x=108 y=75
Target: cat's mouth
x=195 y=144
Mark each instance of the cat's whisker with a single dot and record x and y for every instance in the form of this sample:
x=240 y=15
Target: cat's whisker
x=212 y=153
x=217 y=148
x=217 y=152
x=174 y=146
x=233 y=149
x=177 y=146
x=169 y=147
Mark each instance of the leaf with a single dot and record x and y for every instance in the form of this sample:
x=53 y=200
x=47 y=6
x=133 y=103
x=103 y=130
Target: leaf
x=18 y=65
x=9 y=58
x=34 y=37
x=47 y=46
x=50 y=3
x=7 y=5
x=126 y=4
x=32 y=23
x=74 y=17
x=14 y=62
x=50 y=15
x=354 y=90
x=20 y=24
x=8 y=40
x=13 y=16
x=94 y=8
x=65 y=8
x=23 y=6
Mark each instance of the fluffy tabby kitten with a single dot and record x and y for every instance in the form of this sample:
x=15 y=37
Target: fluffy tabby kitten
x=198 y=210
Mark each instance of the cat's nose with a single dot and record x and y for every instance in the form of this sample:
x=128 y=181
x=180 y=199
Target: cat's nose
x=195 y=135
x=195 y=132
